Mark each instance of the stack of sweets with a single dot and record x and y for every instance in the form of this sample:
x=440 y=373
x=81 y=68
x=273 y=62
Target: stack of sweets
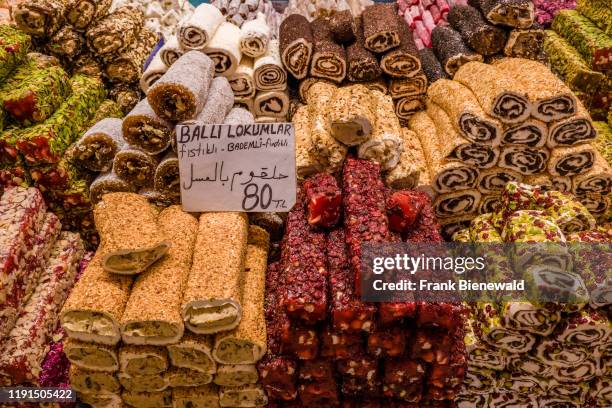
x=160 y=16
x=241 y=12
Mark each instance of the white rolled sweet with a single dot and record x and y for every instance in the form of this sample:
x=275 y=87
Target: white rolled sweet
x=197 y=31
x=242 y=81
x=274 y=104
x=170 y=51
x=154 y=71
x=269 y=73
x=224 y=49
x=255 y=36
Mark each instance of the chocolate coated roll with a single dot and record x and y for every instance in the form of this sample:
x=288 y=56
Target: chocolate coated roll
x=484 y=38
x=403 y=61
x=296 y=45
x=362 y=63
x=343 y=27
x=451 y=50
x=380 y=27
x=431 y=65
x=329 y=58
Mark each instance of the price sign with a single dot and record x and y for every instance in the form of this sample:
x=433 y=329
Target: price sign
x=246 y=167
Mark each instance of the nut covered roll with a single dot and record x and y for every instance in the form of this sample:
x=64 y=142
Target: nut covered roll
x=329 y=58
x=343 y=26
x=362 y=64
x=381 y=27
x=512 y=13
x=134 y=165
x=181 y=92
x=403 y=61
x=152 y=314
x=235 y=375
x=155 y=382
x=131 y=240
x=450 y=49
x=91 y=356
x=142 y=128
x=194 y=352
x=127 y=66
x=93 y=381
x=95 y=305
x=196 y=31
x=531 y=133
x=411 y=164
x=296 y=45
x=146 y=399
x=306 y=161
x=66 y=43
x=573 y=130
x=206 y=396
x=352 y=114
x=81 y=13
x=185 y=377
x=598 y=179
x=108 y=183
x=431 y=65
x=39 y=18
x=252 y=395
x=211 y=301
x=247 y=343
x=142 y=360
x=523 y=159
x=269 y=73
x=115 y=32
x=97 y=148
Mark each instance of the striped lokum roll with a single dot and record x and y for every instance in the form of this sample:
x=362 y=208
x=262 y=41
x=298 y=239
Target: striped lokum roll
x=586 y=327
x=362 y=64
x=571 y=161
x=556 y=354
x=143 y=129
x=127 y=66
x=601 y=390
x=81 y=13
x=479 y=380
x=571 y=131
x=484 y=38
x=26 y=345
x=329 y=58
x=505 y=399
x=116 y=31
x=513 y=13
x=296 y=45
x=85 y=381
x=481 y=355
x=488 y=326
x=381 y=28
x=242 y=81
x=171 y=51
x=576 y=373
x=414 y=86
x=525 y=316
x=456 y=203
x=451 y=50
x=96 y=149
x=352 y=114
x=524 y=160
x=271 y=104
x=224 y=49
x=403 y=61
x=598 y=179
x=469 y=400
x=531 y=132
x=91 y=356
x=39 y=18
x=255 y=36
x=407 y=106
x=520 y=383
x=488 y=203
x=567 y=391
x=196 y=32
x=16 y=46
x=495 y=179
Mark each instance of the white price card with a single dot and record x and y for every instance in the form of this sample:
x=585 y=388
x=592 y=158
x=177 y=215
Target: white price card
x=246 y=167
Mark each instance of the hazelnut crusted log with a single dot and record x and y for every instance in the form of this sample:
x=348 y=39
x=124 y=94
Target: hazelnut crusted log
x=186 y=377
x=196 y=32
x=411 y=165
x=203 y=396
x=451 y=50
x=343 y=27
x=526 y=43
x=130 y=238
x=573 y=130
x=242 y=81
x=154 y=383
x=445 y=176
x=431 y=65
x=381 y=27
x=81 y=13
x=495 y=92
x=93 y=381
x=171 y=51
x=146 y=399
x=255 y=36
x=413 y=86
x=352 y=114
x=181 y=92
x=193 y=352
x=108 y=183
x=251 y=395
x=491 y=181
x=523 y=159
x=142 y=360
x=532 y=133
x=24 y=348
x=407 y=106
x=272 y=104
x=224 y=49
x=550 y=98
x=39 y=18
x=239 y=116
x=455 y=148
x=154 y=71
x=127 y=66
x=329 y=151
x=385 y=144
x=596 y=180
x=465 y=112
x=247 y=343
x=403 y=61
x=481 y=36
x=166 y=178
x=570 y=161
x=116 y=32
x=296 y=45
x=91 y=356
x=126 y=96
x=143 y=129
x=66 y=43
x=328 y=58
x=211 y=301
x=152 y=314
x=95 y=305
x=513 y=13
x=96 y=149
x=306 y=160
x=362 y=64
x=134 y=165
x=88 y=64
x=269 y=73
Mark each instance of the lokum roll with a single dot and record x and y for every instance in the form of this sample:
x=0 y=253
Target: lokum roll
x=224 y=49
x=505 y=399
x=126 y=96
x=495 y=92
x=155 y=383
x=81 y=13
x=381 y=27
x=193 y=352
x=586 y=327
x=244 y=105
x=526 y=43
x=479 y=380
x=550 y=98
x=520 y=383
x=116 y=31
x=532 y=133
x=247 y=343
x=555 y=354
x=134 y=165
x=108 y=183
x=25 y=346
x=39 y=18
x=403 y=61
x=66 y=43
x=362 y=64
x=16 y=46
x=576 y=373
x=451 y=50
x=251 y=395
x=96 y=149
x=306 y=160
x=494 y=180
x=166 y=178
x=142 y=360
x=352 y=114
x=384 y=145
x=235 y=375
x=343 y=26
x=413 y=86
x=407 y=106
x=269 y=73
x=242 y=81
x=143 y=129
x=524 y=316
x=482 y=37
x=87 y=64
x=592 y=43
x=570 y=161
x=93 y=381
x=211 y=301
x=411 y=164
x=329 y=58
x=571 y=131
x=513 y=13
x=145 y=399
x=568 y=63
x=196 y=32
x=469 y=400
x=561 y=183
x=597 y=12
x=254 y=37
x=449 y=226
x=487 y=325
x=524 y=160
x=91 y=356
x=171 y=51
x=274 y=104
x=127 y=66
x=529 y=364
x=296 y=45
x=431 y=65
x=185 y=377
x=47 y=142
x=601 y=390
x=456 y=203
x=181 y=92
x=465 y=112
x=203 y=396
x=480 y=354
x=598 y=179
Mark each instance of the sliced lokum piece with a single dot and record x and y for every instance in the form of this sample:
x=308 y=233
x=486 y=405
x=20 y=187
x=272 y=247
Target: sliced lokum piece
x=146 y=399
x=171 y=51
x=81 y=13
x=127 y=66
x=513 y=13
x=235 y=375
x=329 y=58
x=352 y=115
x=269 y=73
x=484 y=38
x=255 y=36
x=251 y=395
x=340 y=345
x=204 y=396
x=142 y=128
x=323 y=200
